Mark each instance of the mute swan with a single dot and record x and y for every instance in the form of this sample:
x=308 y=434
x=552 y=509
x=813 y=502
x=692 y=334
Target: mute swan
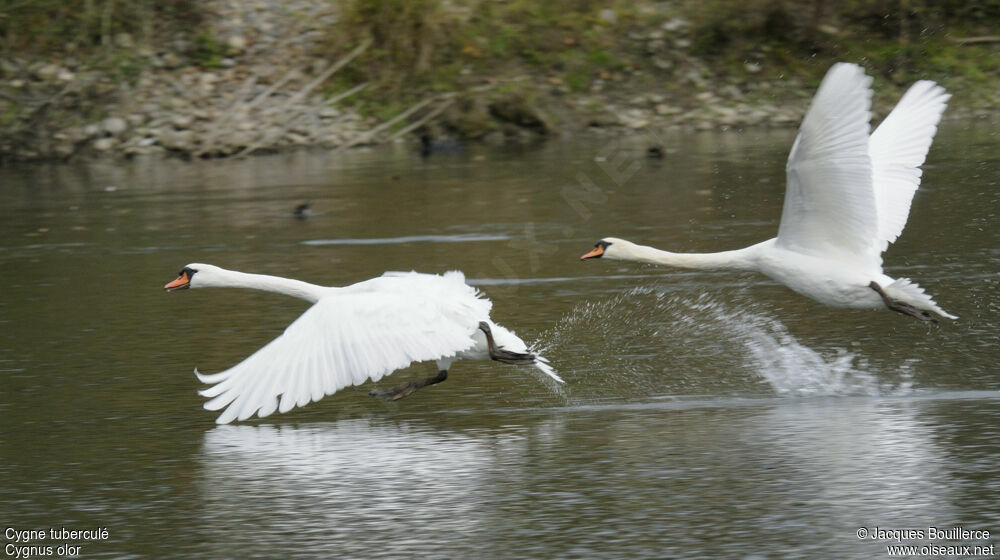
x=848 y=196
x=355 y=333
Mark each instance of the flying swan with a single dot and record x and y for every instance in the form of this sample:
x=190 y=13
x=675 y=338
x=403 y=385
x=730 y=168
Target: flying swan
x=355 y=333
x=848 y=196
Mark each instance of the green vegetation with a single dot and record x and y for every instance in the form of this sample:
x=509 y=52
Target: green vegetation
x=431 y=45
x=428 y=45
x=422 y=46
x=54 y=26
x=115 y=36
x=516 y=64
x=207 y=51
x=64 y=60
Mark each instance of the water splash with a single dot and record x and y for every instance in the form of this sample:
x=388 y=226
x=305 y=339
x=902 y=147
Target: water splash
x=646 y=342
x=792 y=368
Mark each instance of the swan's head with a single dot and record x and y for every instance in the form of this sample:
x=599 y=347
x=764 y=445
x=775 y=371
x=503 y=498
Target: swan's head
x=609 y=248
x=195 y=275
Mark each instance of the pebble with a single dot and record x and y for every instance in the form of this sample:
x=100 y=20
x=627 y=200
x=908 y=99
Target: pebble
x=237 y=44
x=177 y=140
x=47 y=72
x=114 y=126
x=104 y=144
x=182 y=121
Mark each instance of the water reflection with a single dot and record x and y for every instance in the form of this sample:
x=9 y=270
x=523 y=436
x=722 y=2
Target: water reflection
x=805 y=473
x=862 y=463
x=352 y=488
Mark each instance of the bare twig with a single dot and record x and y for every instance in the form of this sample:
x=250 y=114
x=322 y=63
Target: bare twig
x=305 y=91
x=446 y=98
x=423 y=120
x=976 y=40
x=347 y=93
x=271 y=89
x=209 y=140
x=329 y=71
x=366 y=136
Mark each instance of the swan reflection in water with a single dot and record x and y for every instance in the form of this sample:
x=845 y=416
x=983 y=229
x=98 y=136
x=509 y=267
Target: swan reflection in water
x=590 y=475
x=351 y=481
x=868 y=460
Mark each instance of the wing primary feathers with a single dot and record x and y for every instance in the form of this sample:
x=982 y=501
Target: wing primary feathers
x=361 y=332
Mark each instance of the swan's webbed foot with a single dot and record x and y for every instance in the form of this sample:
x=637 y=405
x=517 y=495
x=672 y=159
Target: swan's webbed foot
x=408 y=388
x=902 y=307
x=501 y=355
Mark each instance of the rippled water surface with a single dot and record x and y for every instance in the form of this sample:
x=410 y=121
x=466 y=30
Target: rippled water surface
x=705 y=414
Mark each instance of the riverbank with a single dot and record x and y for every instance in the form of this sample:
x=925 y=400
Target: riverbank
x=264 y=76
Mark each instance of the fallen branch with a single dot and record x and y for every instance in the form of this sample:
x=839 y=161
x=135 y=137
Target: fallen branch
x=347 y=93
x=209 y=140
x=447 y=98
x=305 y=91
x=271 y=89
x=239 y=107
x=423 y=120
x=976 y=40
x=330 y=71
x=366 y=136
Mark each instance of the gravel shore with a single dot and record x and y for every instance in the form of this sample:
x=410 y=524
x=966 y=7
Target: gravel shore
x=267 y=94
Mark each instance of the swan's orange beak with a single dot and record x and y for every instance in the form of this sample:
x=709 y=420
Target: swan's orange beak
x=597 y=252
x=182 y=282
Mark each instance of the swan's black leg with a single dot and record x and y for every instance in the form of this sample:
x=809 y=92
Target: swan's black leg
x=902 y=307
x=501 y=355
x=408 y=388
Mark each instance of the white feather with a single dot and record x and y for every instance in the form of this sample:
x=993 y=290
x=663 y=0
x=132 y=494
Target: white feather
x=905 y=290
x=829 y=205
x=349 y=336
x=898 y=148
x=847 y=198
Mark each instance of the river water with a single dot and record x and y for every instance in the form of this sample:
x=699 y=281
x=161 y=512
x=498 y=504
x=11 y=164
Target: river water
x=704 y=415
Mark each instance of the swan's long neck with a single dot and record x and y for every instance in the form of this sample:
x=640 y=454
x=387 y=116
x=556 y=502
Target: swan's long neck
x=739 y=259
x=287 y=286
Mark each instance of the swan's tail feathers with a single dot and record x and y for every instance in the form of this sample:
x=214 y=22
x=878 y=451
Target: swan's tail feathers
x=543 y=365
x=527 y=359
x=909 y=292
x=506 y=347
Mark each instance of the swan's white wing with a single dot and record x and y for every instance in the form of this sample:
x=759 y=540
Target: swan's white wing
x=345 y=340
x=829 y=207
x=898 y=148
